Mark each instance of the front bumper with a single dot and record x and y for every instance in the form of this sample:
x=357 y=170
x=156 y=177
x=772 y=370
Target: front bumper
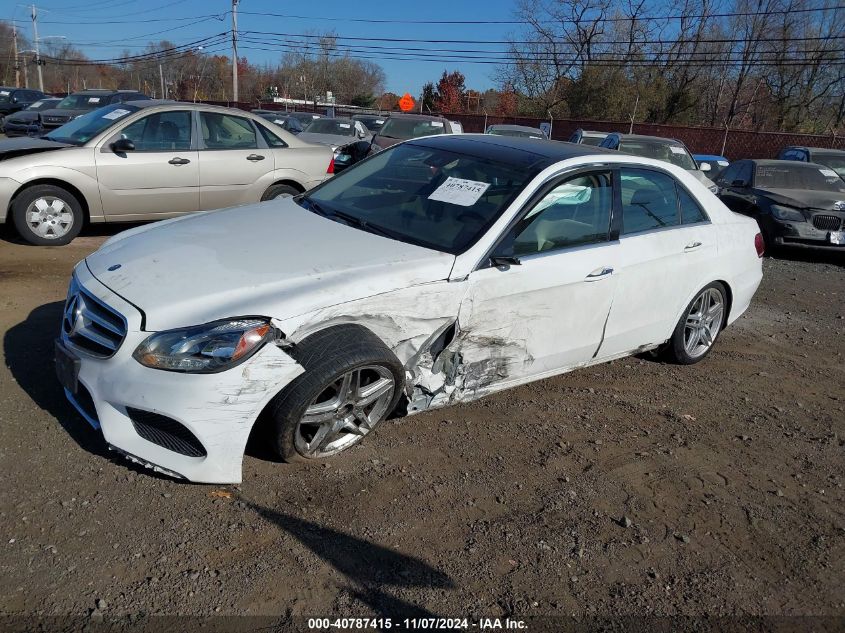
x=218 y=409
x=803 y=234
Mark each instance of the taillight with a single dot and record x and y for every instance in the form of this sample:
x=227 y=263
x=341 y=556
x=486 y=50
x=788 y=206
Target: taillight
x=759 y=244
x=330 y=168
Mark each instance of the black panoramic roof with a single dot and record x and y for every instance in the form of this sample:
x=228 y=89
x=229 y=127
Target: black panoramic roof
x=509 y=148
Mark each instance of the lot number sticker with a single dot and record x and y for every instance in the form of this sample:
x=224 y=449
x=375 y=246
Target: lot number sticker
x=676 y=150
x=464 y=193
x=115 y=114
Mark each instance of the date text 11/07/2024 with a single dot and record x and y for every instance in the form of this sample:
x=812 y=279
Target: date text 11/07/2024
x=430 y=624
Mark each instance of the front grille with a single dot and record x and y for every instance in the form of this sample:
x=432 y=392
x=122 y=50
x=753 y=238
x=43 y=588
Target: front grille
x=166 y=432
x=90 y=325
x=826 y=222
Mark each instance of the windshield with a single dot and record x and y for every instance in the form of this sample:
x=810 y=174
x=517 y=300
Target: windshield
x=797 y=176
x=83 y=128
x=372 y=123
x=411 y=128
x=338 y=127
x=518 y=133
x=4 y=96
x=675 y=154
x=429 y=197
x=835 y=161
x=592 y=140
x=82 y=102
x=44 y=104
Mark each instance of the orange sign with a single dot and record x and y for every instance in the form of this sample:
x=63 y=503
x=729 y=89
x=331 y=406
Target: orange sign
x=406 y=103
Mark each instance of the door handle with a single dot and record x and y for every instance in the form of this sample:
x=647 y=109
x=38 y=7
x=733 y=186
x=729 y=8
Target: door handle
x=600 y=273
x=692 y=246
x=255 y=157
x=178 y=161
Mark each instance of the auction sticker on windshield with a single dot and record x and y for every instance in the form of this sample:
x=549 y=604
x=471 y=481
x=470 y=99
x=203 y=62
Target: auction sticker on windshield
x=677 y=150
x=115 y=114
x=829 y=173
x=464 y=193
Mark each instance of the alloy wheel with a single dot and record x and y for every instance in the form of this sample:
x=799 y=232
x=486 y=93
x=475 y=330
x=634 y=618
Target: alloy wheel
x=704 y=320
x=345 y=411
x=49 y=217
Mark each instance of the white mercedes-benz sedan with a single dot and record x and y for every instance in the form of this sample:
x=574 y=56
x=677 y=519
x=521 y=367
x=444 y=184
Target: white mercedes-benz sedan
x=435 y=272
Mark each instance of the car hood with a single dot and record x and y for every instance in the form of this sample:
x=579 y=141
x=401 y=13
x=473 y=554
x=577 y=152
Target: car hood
x=62 y=113
x=386 y=141
x=13 y=147
x=23 y=116
x=271 y=259
x=802 y=198
x=332 y=140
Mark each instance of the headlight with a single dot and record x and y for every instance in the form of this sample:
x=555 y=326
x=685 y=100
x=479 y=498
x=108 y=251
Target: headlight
x=205 y=348
x=787 y=213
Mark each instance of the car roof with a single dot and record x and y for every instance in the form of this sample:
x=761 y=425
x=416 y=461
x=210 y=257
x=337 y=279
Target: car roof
x=102 y=91
x=499 y=147
x=814 y=149
x=785 y=163
x=419 y=117
x=522 y=128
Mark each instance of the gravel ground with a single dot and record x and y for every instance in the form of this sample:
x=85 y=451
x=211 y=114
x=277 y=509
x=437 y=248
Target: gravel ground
x=633 y=488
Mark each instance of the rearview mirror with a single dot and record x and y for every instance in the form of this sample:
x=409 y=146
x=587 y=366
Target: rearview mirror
x=122 y=145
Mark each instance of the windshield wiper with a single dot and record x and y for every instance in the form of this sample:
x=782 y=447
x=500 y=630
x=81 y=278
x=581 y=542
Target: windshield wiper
x=359 y=223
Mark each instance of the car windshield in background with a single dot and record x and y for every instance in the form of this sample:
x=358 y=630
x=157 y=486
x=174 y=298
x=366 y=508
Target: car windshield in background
x=410 y=128
x=675 y=154
x=83 y=128
x=330 y=126
x=835 y=161
x=41 y=105
x=518 y=133
x=429 y=197
x=4 y=96
x=592 y=140
x=81 y=102
x=797 y=176
x=372 y=123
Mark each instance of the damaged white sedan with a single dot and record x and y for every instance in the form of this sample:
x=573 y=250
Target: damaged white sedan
x=435 y=272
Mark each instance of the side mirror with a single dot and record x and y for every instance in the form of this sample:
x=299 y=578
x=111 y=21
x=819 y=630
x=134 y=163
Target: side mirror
x=504 y=261
x=739 y=183
x=122 y=145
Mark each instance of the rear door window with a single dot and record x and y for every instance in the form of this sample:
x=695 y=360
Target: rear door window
x=224 y=131
x=649 y=201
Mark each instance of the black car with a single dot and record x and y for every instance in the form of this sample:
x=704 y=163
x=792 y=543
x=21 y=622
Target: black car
x=292 y=125
x=833 y=158
x=84 y=101
x=373 y=122
x=796 y=204
x=15 y=99
x=304 y=117
x=28 y=122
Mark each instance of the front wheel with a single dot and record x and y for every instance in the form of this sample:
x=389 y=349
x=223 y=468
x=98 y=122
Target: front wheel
x=699 y=327
x=352 y=381
x=46 y=215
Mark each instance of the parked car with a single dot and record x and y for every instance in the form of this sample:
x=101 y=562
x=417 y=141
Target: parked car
x=587 y=137
x=832 y=158
x=517 y=130
x=457 y=127
x=289 y=123
x=16 y=99
x=27 y=122
x=350 y=140
x=659 y=148
x=304 y=117
x=436 y=272
x=401 y=127
x=373 y=122
x=79 y=103
x=796 y=204
x=711 y=164
x=149 y=160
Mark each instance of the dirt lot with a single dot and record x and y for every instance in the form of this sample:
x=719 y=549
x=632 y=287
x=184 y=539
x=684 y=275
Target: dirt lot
x=730 y=473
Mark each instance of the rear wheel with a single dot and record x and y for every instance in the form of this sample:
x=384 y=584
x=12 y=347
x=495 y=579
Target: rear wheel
x=47 y=215
x=699 y=327
x=279 y=191
x=351 y=383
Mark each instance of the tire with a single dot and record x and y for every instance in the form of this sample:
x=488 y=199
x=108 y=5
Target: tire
x=279 y=191
x=683 y=348
x=47 y=215
x=340 y=415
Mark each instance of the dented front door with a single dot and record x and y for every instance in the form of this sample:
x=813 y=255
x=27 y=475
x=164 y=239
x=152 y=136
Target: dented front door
x=539 y=317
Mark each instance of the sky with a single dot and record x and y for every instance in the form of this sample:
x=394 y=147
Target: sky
x=136 y=22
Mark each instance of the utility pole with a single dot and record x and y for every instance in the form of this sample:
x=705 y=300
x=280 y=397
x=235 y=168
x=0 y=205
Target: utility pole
x=161 y=77
x=235 y=51
x=37 y=53
x=17 y=61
